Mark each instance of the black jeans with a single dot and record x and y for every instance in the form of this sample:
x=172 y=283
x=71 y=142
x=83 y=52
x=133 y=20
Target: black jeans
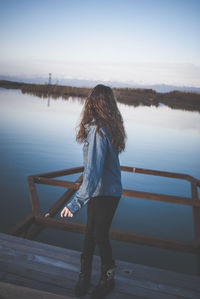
x=100 y=212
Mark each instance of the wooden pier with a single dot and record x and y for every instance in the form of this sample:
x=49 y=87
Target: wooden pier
x=30 y=269
x=36 y=267
x=35 y=222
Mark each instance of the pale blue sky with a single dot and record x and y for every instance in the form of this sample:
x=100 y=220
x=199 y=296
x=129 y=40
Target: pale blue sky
x=142 y=41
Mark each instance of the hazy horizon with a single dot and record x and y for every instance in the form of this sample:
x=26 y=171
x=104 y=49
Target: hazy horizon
x=163 y=88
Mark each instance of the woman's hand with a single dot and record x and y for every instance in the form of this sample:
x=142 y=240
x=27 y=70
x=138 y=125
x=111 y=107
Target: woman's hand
x=66 y=213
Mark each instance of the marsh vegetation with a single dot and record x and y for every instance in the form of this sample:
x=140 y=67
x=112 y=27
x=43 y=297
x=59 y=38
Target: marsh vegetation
x=129 y=96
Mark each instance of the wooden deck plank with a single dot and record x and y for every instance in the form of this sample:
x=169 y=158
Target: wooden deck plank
x=51 y=284
x=59 y=280
x=39 y=265
x=31 y=271
x=132 y=271
x=44 y=261
x=9 y=291
x=16 y=279
x=127 y=270
x=64 y=270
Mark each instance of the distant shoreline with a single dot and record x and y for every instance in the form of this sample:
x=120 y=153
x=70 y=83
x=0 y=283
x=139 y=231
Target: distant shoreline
x=129 y=96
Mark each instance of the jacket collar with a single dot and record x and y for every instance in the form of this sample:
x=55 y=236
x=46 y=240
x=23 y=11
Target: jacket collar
x=90 y=124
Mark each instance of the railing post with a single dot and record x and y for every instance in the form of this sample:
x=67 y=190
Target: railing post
x=196 y=219
x=33 y=196
x=54 y=210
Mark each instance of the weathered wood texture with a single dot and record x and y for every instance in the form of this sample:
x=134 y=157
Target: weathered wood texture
x=53 y=269
x=58 y=173
x=120 y=235
x=12 y=291
x=37 y=228
x=33 y=195
x=24 y=224
x=196 y=220
x=161 y=197
x=53 y=210
x=175 y=175
x=196 y=211
x=126 y=192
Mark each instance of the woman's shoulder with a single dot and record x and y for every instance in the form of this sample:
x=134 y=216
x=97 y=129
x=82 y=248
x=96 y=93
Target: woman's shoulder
x=92 y=129
x=89 y=127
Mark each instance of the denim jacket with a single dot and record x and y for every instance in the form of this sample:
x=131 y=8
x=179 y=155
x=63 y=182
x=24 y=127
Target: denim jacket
x=102 y=174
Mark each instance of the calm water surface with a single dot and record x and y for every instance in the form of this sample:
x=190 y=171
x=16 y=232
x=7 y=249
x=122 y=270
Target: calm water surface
x=38 y=135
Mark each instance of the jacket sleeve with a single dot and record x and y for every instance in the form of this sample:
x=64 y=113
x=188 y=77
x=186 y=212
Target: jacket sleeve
x=97 y=148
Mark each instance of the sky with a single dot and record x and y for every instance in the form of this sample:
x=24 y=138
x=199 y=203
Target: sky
x=129 y=41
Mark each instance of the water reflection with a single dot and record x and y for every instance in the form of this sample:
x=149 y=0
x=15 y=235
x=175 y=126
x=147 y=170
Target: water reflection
x=132 y=97
x=48 y=101
x=45 y=93
x=162 y=116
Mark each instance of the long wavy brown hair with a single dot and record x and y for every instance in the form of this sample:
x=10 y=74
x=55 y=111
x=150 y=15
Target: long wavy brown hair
x=101 y=108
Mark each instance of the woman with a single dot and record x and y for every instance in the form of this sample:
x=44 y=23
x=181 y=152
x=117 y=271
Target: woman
x=102 y=132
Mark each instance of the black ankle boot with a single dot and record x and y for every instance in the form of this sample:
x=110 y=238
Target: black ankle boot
x=83 y=283
x=106 y=282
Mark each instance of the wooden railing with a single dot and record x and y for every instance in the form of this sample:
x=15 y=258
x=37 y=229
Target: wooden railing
x=35 y=222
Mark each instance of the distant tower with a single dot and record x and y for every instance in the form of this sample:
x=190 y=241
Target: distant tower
x=49 y=78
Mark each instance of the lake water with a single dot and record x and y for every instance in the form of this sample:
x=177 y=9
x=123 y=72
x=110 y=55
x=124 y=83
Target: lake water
x=38 y=135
